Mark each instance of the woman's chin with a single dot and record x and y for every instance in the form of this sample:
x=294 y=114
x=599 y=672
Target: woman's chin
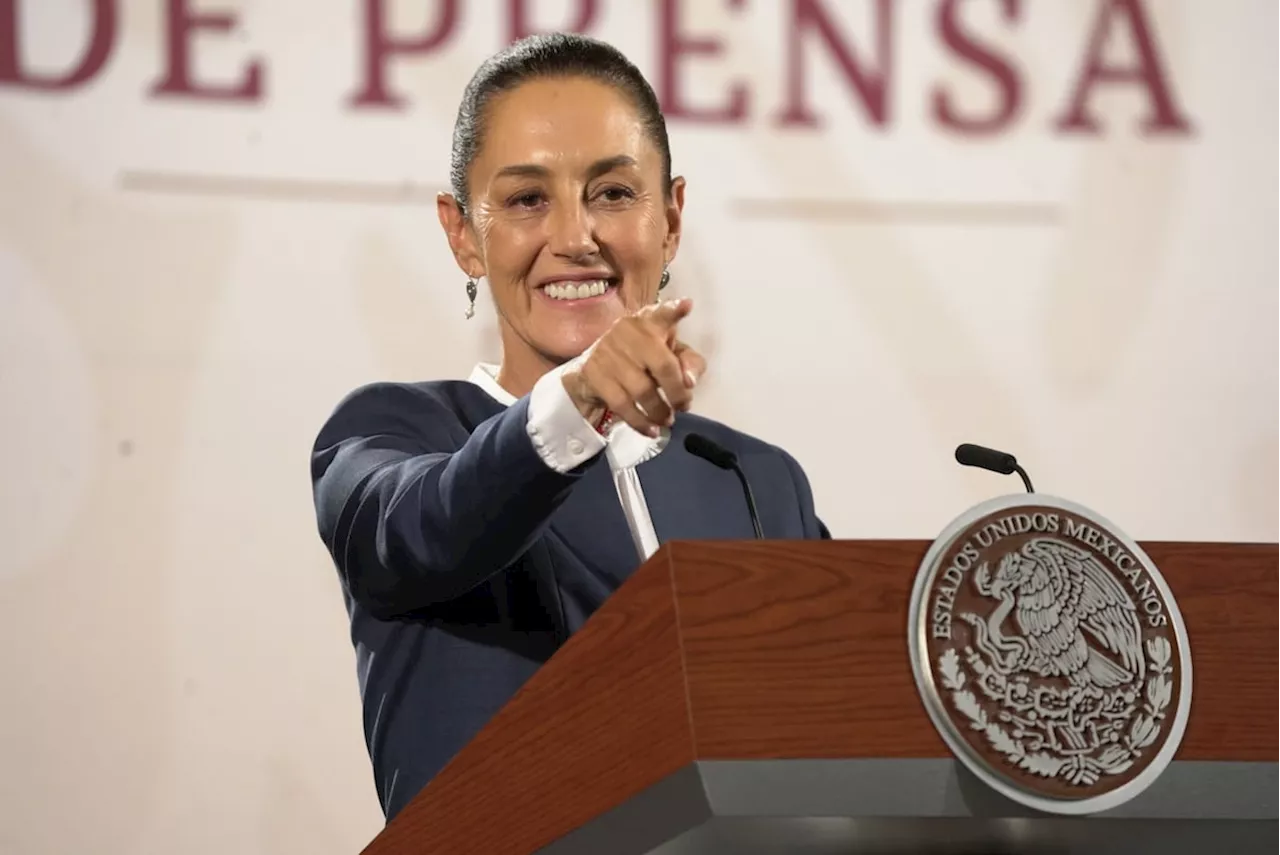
x=569 y=344
x=570 y=337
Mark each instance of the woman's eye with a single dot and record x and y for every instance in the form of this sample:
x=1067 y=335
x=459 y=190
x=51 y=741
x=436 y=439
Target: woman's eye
x=526 y=200
x=615 y=194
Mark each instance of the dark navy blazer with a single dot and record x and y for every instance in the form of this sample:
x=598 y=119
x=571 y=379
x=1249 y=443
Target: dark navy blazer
x=466 y=561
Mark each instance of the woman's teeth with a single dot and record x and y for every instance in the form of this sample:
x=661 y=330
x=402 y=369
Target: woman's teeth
x=575 y=290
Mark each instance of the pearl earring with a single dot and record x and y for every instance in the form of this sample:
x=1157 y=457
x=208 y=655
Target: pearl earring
x=471 y=297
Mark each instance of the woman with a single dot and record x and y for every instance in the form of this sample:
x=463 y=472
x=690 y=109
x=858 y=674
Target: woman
x=476 y=525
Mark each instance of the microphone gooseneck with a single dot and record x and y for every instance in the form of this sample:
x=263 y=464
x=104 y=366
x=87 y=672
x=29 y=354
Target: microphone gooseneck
x=721 y=457
x=1001 y=462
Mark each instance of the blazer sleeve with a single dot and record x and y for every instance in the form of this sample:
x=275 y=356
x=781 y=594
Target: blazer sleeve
x=413 y=509
x=814 y=527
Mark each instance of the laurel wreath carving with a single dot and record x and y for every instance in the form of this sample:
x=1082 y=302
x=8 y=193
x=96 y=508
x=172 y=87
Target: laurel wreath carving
x=1082 y=767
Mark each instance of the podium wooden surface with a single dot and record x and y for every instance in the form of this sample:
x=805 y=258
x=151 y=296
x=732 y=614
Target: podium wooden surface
x=758 y=696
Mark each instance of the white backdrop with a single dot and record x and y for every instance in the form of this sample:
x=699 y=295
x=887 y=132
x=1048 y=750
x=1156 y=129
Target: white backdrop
x=188 y=284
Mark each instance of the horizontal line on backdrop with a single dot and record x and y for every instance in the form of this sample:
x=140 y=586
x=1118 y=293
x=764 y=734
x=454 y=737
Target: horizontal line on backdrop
x=406 y=193
x=996 y=213
x=277 y=189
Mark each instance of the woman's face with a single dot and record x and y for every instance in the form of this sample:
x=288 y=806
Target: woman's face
x=569 y=222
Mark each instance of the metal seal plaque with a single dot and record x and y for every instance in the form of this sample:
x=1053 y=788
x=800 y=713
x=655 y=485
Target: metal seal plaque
x=1050 y=654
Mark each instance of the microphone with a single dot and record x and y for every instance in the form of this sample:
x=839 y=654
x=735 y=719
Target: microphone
x=1002 y=462
x=717 y=455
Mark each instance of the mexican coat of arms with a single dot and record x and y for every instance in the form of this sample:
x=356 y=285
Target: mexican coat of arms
x=1050 y=654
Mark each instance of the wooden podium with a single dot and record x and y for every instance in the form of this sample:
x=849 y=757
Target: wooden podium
x=757 y=697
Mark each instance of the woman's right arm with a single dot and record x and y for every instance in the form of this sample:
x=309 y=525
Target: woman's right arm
x=415 y=511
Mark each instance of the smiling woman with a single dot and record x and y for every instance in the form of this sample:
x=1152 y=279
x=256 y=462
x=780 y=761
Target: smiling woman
x=567 y=208
x=476 y=525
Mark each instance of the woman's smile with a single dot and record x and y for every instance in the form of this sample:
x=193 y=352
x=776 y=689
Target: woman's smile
x=573 y=293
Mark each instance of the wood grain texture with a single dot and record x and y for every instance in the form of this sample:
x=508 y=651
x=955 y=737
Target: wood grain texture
x=1228 y=597
x=801 y=651
x=605 y=719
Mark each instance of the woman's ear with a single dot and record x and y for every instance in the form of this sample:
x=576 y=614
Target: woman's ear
x=462 y=239
x=675 y=218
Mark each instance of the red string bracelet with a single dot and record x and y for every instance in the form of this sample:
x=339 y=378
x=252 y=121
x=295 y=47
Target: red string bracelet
x=606 y=421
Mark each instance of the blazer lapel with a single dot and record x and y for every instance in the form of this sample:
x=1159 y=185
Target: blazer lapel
x=689 y=499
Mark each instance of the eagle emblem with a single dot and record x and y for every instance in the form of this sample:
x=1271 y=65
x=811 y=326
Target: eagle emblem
x=1074 y=619
x=1054 y=656
x=1074 y=622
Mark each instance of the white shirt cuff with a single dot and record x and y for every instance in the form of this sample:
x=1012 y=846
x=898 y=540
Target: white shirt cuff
x=561 y=436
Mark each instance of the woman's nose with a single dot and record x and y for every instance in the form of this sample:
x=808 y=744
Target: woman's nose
x=572 y=231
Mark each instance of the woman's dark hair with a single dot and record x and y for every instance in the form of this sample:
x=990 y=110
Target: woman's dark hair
x=540 y=57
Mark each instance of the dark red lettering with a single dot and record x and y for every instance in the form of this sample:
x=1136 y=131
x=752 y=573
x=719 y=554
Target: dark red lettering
x=1164 y=115
x=182 y=24
x=381 y=46
x=872 y=86
x=674 y=45
x=101 y=41
x=518 y=14
x=1002 y=73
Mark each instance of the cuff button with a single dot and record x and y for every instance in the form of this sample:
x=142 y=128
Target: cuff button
x=575 y=446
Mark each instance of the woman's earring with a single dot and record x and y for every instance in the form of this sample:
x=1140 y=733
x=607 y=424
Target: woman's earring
x=471 y=296
x=666 y=278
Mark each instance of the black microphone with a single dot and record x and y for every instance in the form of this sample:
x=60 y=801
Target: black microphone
x=717 y=455
x=1002 y=462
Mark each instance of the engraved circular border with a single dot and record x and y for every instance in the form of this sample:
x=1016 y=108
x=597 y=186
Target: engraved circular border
x=946 y=727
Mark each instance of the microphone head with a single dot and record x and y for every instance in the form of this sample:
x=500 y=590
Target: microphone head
x=990 y=459
x=710 y=451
